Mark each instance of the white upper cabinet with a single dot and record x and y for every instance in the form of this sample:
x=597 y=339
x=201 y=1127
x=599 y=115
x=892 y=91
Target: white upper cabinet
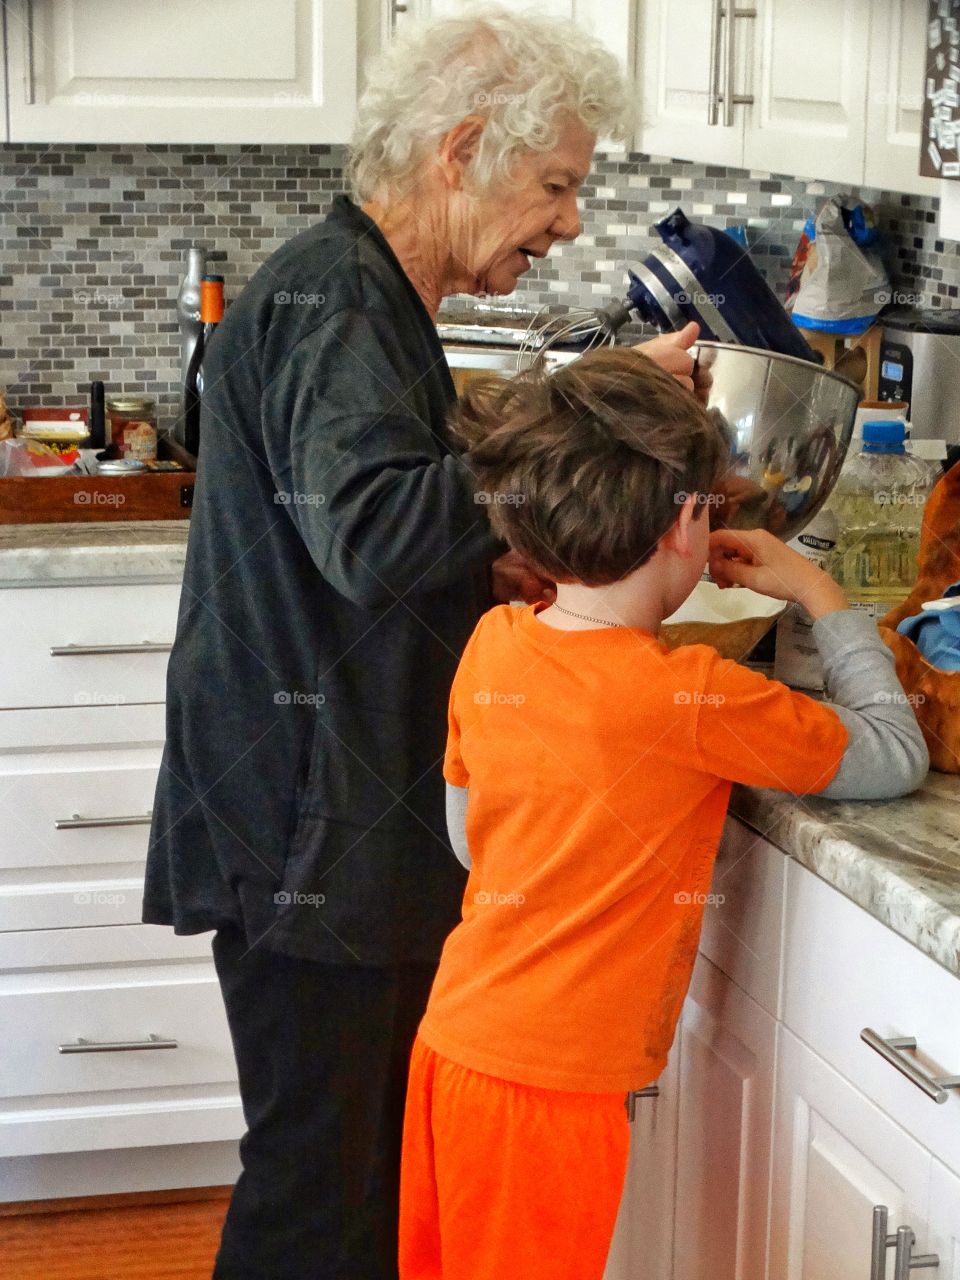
x=829 y=89
x=679 y=69
x=177 y=71
x=612 y=22
x=898 y=47
x=808 y=114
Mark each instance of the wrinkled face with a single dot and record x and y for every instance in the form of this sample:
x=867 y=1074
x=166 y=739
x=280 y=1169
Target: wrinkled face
x=504 y=230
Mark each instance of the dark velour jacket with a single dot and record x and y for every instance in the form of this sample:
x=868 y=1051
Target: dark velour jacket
x=337 y=563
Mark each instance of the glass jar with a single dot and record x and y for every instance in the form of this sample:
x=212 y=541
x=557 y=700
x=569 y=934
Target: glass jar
x=133 y=426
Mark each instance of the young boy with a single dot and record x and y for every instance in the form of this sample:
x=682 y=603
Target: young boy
x=589 y=771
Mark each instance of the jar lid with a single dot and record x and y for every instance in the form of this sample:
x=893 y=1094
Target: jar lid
x=121 y=467
x=130 y=404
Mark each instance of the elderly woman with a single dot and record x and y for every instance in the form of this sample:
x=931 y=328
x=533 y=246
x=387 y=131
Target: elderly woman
x=337 y=563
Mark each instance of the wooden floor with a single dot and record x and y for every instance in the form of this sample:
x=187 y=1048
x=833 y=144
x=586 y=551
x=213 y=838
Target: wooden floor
x=160 y=1236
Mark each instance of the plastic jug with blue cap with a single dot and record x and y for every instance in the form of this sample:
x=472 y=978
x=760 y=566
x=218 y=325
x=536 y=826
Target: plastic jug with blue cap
x=878 y=502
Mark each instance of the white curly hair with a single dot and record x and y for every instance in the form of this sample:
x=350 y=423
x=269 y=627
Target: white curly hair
x=526 y=74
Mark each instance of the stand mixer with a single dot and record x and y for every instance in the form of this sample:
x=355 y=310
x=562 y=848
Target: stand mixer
x=788 y=420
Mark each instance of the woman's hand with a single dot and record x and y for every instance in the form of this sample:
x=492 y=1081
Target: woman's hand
x=758 y=560
x=671 y=351
x=514 y=579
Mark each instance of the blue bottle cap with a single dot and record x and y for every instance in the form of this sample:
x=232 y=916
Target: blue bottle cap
x=884 y=435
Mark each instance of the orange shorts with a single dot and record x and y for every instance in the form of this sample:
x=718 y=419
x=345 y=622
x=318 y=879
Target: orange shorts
x=501 y=1181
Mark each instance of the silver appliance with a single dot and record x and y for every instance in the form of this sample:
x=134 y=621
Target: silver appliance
x=920 y=363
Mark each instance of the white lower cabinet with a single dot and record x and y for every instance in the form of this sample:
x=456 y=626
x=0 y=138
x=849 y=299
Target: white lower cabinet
x=836 y=1156
x=643 y=1240
x=778 y=1130
x=944 y=1221
x=129 y=1048
x=116 y=1066
x=727 y=1058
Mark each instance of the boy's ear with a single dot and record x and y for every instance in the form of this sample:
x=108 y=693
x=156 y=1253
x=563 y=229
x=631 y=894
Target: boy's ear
x=678 y=536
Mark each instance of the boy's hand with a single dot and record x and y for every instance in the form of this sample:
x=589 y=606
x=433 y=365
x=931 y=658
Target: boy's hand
x=758 y=560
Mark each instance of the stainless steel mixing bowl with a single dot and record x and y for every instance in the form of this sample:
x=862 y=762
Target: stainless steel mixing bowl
x=789 y=424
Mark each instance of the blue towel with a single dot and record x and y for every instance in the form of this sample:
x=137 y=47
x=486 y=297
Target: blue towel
x=936 y=633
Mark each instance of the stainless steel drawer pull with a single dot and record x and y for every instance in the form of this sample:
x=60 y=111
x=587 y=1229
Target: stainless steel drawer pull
x=76 y=823
x=31 y=87
x=651 y=1091
x=88 y=650
x=892 y=1051
x=881 y=1241
x=117 y=1046
x=906 y=1260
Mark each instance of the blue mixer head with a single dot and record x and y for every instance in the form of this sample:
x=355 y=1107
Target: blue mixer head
x=700 y=273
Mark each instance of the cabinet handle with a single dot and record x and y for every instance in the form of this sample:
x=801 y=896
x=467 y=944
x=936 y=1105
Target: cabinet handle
x=731 y=99
x=117 y=1046
x=31 y=69
x=651 y=1091
x=86 y=650
x=881 y=1242
x=891 y=1050
x=904 y=1261
x=396 y=8
x=76 y=823
x=713 y=88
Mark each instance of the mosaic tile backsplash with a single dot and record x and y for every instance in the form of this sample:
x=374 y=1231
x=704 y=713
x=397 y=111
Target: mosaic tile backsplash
x=92 y=240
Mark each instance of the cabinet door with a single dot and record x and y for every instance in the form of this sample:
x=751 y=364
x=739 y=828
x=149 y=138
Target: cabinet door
x=643 y=1239
x=612 y=22
x=898 y=47
x=674 y=69
x=727 y=1056
x=609 y=21
x=810 y=89
x=836 y=1156
x=178 y=71
x=944 y=1226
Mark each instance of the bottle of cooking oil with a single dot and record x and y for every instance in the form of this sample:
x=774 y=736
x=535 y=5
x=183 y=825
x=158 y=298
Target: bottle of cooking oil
x=879 y=502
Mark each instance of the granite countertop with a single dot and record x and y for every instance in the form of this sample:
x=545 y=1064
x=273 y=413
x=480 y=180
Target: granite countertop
x=40 y=554
x=898 y=859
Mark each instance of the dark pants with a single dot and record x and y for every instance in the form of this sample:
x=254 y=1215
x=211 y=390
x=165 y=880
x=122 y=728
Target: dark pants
x=322 y=1053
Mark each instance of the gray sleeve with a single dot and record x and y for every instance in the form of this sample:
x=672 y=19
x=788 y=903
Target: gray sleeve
x=457 y=822
x=886 y=755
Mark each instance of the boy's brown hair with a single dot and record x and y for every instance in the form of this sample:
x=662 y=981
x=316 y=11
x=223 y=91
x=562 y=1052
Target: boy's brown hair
x=585 y=469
